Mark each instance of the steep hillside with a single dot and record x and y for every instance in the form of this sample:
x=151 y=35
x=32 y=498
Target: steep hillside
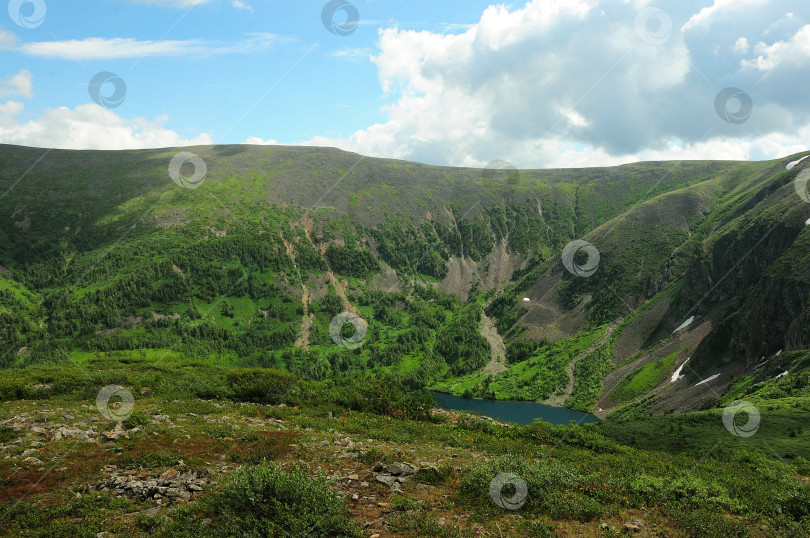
x=104 y=252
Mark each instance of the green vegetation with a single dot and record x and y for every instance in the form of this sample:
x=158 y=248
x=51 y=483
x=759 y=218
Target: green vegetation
x=577 y=477
x=264 y=500
x=236 y=272
x=213 y=307
x=535 y=371
x=460 y=344
x=645 y=378
x=588 y=376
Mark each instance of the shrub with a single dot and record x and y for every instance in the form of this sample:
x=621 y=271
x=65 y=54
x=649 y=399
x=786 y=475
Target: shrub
x=136 y=419
x=7 y=434
x=381 y=394
x=585 y=436
x=433 y=475
x=12 y=389
x=685 y=489
x=261 y=385
x=553 y=488
x=267 y=501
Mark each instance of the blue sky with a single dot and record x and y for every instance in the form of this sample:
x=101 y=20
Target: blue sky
x=543 y=83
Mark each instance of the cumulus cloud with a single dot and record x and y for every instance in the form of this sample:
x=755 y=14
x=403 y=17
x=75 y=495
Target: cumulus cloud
x=20 y=84
x=705 y=15
x=793 y=52
x=7 y=39
x=88 y=127
x=572 y=83
x=742 y=46
x=256 y=141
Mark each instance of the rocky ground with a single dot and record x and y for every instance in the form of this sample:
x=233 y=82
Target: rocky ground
x=171 y=458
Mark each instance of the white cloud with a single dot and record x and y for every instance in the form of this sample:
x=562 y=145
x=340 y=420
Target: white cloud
x=88 y=127
x=742 y=46
x=707 y=13
x=566 y=83
x=7 y=39
x=238 y=4
x=352 y=54
x=96 y=48
x=795 y=51
x=7 y=112
x=574 y=118
x=20 y=84
x=256 y=141
x=517 y=85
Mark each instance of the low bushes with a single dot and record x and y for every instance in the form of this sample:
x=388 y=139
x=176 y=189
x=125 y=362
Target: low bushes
x=562 y=491
x=266 y=500
x=261 y=385
x=380 y=394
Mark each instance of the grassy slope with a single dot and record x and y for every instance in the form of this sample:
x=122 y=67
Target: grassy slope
x=577 y=478
x=115 y=252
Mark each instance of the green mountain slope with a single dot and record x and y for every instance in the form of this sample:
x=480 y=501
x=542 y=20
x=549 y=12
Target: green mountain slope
x=103 y=252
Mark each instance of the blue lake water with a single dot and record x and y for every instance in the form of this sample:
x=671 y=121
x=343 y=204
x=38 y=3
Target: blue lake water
x=512 y=411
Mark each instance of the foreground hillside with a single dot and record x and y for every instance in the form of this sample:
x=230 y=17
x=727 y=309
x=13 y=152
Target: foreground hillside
x=474 y=282
x=127 y=445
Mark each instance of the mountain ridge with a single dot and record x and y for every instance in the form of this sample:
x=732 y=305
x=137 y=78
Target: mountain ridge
x=113 y=255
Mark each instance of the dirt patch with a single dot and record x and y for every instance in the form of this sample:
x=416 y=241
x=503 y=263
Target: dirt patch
x=306 y=320
x=545 y=317
x=497 y=363
x=461 y=274
x=157 y=316
x=218 y=233
x=170 y=218
x=491 y=273
x=341 y=292
x=636 y=333
x=387 y=280
x=303 y=334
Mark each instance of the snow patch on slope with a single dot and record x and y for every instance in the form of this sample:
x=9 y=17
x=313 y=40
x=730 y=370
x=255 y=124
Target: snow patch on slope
x=677 y=375
x=794 y=163
x=715 y=376
x=685 y=324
